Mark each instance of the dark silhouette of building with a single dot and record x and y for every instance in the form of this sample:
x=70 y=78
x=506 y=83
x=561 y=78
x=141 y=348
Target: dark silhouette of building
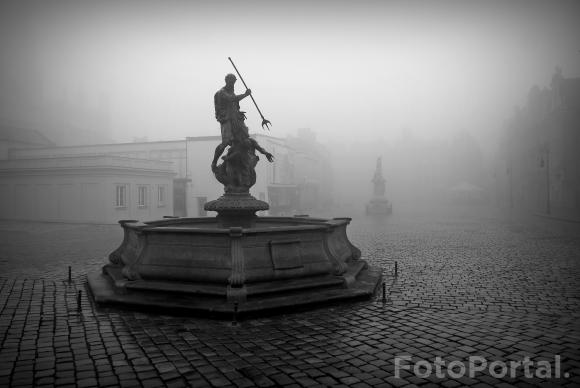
x=538 y=164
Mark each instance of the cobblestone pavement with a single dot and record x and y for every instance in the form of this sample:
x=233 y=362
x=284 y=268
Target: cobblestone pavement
x=467 y=286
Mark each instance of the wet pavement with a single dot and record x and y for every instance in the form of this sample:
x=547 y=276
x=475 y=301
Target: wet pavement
x=469 y=286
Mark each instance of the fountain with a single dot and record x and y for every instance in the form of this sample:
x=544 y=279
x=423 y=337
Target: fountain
x=236 y=261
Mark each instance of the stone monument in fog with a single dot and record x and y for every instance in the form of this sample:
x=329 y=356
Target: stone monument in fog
x=379 y=204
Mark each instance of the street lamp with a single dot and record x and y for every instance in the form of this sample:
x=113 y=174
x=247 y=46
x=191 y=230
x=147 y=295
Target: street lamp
x=509 y=173
x=545 y=163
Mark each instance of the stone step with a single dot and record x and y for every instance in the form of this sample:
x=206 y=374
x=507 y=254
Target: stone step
x=294 y=284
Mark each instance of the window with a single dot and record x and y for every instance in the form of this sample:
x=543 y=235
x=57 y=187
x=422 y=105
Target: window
x=121 y=196
x=161 y=195
x=142 y=196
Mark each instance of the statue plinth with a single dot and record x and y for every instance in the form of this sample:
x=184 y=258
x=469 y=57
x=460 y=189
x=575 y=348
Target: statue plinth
x=236 y=209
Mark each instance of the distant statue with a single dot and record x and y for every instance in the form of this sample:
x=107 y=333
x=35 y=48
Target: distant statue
x=379 y=204
x=237 y=171
x=379 y=180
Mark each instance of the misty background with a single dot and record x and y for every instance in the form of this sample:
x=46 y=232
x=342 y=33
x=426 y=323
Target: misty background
x=415 y=82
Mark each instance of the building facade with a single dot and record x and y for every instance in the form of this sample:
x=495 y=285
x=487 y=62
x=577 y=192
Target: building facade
x=311 y=170
x=148 y=180
x=85 y=188
x=173 y=152
x=538 y=163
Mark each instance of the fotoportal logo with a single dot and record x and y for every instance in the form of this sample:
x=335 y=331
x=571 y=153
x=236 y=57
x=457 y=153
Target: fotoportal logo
x=478 y=365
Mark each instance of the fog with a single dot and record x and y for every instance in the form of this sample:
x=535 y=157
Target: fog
x=361 y=75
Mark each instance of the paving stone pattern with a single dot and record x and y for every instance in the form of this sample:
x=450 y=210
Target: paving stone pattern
x=467 y=285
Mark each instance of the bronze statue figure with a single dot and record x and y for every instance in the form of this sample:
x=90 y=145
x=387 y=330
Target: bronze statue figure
x=227 y=112
x=237 y=171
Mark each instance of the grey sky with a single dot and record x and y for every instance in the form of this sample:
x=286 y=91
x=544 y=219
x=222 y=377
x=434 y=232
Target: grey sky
x=350 y=68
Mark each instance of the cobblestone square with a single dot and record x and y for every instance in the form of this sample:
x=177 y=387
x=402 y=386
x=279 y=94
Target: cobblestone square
x=468 y=285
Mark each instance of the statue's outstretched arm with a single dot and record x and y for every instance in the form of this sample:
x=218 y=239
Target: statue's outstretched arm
x=231 y=97
x=243 y=95
x=268 y=155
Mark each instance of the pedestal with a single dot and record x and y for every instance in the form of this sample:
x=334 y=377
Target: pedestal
x=236 y=209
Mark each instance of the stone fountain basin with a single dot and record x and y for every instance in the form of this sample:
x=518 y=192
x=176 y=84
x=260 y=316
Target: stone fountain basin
x=195 y=264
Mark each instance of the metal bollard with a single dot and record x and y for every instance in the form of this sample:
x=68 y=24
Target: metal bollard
x=235 y=321
x=396 y=269
x=79 y=295
x=69 y=274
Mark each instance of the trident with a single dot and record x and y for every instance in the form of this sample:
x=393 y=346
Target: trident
x=264 y=121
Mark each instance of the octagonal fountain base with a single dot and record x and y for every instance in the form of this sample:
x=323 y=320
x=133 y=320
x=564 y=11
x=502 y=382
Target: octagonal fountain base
x=198 y=265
